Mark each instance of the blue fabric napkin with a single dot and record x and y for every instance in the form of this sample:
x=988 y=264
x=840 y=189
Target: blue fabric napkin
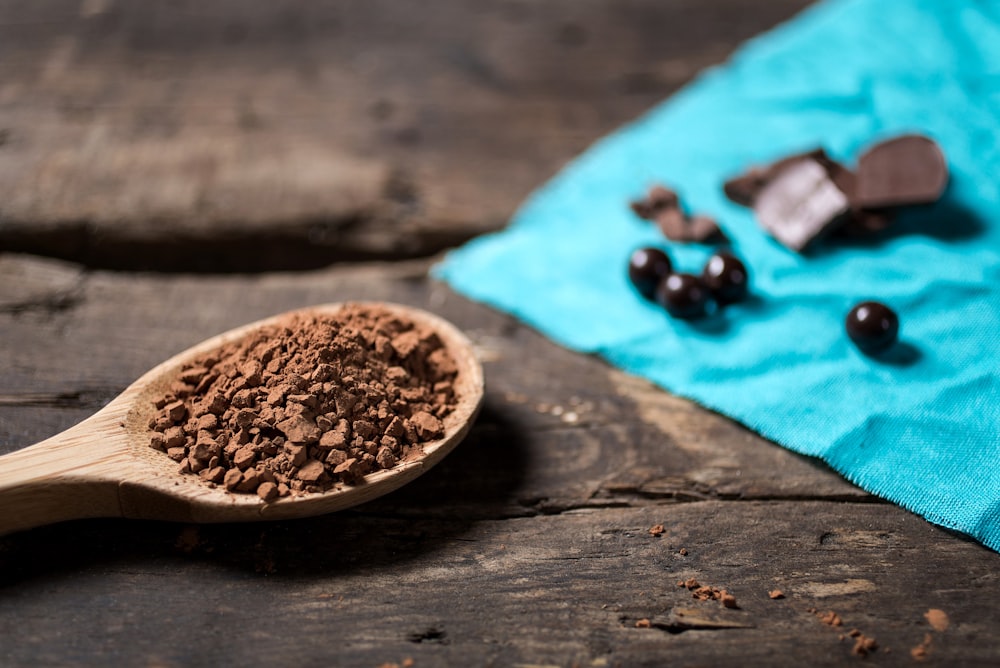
x=920 y=426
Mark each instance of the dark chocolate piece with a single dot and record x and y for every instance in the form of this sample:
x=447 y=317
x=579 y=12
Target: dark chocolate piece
x=800 y=203
x=899 y=172
x=704 y=229
x=646 y=268
x=743 y=189
x=872 y=326
x=726 y=278
x=673 y=223
x=658 y=200
x=663 y=207
x=862 y=222
x=682 y=295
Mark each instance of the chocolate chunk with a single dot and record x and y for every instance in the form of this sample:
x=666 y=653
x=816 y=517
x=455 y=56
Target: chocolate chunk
x=902 y=171
x=428 y=427
x=298 y=429
x=657 y=201
x=800 y=203
x=267 y=491
x=311 y=471
x=703 y=229
x=672 y=223
x=663 y=207
x=745 y=188
x=176 y=411
x=232 y=478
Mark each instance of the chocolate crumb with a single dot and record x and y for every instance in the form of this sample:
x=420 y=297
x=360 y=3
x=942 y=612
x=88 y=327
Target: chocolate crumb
x=938 y=619
x=831 y=618
x=728 y=600
x=643 y=623
x=267 y=491
x=663 y=207
x=656 y=530
x=308 y=402
x=921 y=651
x=775 y=594
x=864 y=645
x=683 y=552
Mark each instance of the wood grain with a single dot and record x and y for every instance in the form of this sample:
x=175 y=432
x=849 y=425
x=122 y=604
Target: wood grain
x=187 y=136
x=527 y=545
x=204 y=138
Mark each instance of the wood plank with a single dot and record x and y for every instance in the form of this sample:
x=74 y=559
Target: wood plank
x=528 y=545
x=601 y=436
x=363 y=588
x=192 y=136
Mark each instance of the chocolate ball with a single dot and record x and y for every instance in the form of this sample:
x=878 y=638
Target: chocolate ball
x=872 y=326
x=682 y=295
x=726 y=277
x=646 y=268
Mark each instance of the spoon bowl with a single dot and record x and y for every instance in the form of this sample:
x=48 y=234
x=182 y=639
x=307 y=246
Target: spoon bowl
x=104 y=467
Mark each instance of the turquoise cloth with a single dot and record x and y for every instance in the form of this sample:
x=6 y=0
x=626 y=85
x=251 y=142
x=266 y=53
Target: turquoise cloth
x=921 y=426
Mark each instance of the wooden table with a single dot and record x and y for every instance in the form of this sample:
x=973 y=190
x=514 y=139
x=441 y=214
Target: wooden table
x=169 y=170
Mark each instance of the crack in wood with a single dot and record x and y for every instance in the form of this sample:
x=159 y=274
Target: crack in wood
x=684 y=619
x=295 y=246
x=81 y=399
x=431 y=635
x=51 y=304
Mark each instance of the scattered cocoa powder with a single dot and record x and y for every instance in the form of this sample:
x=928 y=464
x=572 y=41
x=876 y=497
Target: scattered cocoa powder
x=830 y=618
x=775 y=594
x=406 y=663
x=864 y=645
x=656 y=530
x=938 y=619
x=643 y=623
x=708 y=593
x=921 y=651
x=308 y=402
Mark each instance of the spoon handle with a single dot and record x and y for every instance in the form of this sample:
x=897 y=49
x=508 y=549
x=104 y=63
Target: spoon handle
x=56 y=480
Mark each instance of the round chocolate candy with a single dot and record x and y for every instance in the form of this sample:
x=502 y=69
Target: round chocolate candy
x=725 y=276
x=872 y=326
x=682 y=295
x=646 y=268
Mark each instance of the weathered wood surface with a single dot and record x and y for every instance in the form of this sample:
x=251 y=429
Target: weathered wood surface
x=188 y=135
x=213 y=136
x=528 y=545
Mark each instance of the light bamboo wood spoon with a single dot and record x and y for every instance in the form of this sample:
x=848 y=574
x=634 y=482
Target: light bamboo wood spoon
x=104 y=467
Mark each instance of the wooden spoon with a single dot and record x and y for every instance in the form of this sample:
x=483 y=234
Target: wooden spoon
x=104 y=467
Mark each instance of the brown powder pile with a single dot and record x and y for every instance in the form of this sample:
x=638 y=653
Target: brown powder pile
x=308 y=402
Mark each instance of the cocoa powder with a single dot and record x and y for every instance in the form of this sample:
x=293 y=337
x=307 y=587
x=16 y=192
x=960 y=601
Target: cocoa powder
x=308 y=402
